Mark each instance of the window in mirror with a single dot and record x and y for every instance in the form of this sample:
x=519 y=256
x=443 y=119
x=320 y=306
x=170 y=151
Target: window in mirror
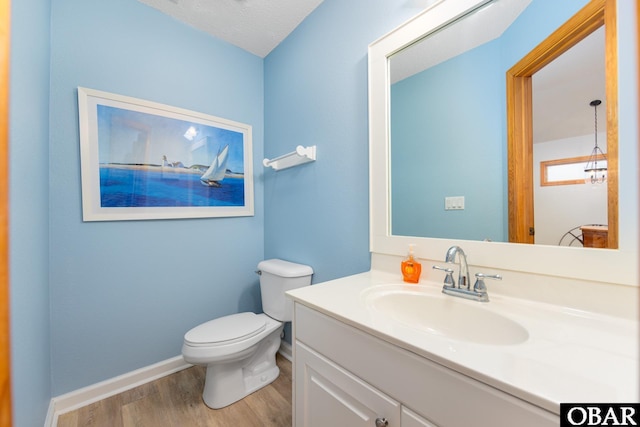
x=565 y=171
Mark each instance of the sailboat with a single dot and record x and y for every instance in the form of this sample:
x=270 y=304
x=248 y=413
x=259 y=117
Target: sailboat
x=215 y=174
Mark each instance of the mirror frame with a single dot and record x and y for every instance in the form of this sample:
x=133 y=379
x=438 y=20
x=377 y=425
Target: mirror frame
x=520 y=116
x=601 y=265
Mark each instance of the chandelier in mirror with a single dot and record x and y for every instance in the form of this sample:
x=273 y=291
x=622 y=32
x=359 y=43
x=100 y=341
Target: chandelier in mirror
x=595 y=170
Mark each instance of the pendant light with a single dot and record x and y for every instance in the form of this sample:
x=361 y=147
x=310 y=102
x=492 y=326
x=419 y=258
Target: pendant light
x=596 y=173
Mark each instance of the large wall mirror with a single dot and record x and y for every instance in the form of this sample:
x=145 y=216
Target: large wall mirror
x=453 y=161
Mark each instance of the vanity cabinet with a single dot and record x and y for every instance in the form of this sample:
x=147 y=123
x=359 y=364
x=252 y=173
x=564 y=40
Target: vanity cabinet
x=344 y=376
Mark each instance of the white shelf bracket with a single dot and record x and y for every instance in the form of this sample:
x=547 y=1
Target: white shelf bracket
x=300 y=156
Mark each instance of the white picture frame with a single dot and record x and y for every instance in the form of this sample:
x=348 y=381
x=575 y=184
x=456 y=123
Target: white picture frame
x=141 y=160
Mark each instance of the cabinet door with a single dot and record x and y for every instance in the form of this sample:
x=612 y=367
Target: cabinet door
x=411 y=419
x=327 y=395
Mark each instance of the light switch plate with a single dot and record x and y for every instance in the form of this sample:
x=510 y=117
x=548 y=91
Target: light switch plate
x=454 y=203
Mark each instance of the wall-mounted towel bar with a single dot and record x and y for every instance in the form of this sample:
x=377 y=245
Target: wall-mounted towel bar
x=298 y=157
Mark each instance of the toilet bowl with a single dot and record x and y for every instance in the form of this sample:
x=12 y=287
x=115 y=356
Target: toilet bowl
x=236 y=365
x=239 y=350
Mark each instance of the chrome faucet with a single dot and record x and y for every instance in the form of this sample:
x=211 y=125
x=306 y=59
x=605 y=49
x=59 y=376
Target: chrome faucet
x=464 y=281
x=463 y=287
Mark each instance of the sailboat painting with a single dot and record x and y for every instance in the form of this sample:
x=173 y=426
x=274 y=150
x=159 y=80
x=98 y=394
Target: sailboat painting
x=216 y=172
x=143 y=160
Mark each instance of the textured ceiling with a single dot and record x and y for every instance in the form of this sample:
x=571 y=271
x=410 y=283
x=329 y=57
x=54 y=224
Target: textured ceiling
x=256 y=26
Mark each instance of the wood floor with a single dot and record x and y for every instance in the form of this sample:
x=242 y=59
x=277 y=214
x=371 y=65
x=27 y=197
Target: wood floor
x=176 y=401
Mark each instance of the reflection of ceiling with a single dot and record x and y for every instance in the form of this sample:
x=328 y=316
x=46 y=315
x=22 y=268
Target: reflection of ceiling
x=257 y=26
x=455 y=39
x=563 y=90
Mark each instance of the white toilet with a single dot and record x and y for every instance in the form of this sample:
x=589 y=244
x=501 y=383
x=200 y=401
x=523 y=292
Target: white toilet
x=240 y=349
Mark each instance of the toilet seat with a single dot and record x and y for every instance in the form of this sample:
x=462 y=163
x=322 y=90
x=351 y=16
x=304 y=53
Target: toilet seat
x=226 y=330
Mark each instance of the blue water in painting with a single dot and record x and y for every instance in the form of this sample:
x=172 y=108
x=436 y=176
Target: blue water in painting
x=147 y=187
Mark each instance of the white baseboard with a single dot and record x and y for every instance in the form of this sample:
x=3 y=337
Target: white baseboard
x=95 y=392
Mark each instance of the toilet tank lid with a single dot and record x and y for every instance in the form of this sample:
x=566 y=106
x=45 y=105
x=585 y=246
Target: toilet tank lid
x=283 y=268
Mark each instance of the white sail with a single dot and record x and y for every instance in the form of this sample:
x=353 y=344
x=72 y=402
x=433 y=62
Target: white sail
x=218 y=167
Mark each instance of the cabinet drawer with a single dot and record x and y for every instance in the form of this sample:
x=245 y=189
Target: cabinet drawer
x=441 y=395
x=327 y=395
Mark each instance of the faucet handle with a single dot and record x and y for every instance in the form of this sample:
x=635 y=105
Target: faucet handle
x=448 y=280
x=479 y=285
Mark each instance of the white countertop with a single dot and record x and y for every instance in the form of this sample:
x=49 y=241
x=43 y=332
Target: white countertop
x=570 y=355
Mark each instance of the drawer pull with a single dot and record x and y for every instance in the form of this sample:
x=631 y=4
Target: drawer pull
x=381 y=422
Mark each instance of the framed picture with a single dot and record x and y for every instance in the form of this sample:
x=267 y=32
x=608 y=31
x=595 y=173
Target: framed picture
x=144 y=160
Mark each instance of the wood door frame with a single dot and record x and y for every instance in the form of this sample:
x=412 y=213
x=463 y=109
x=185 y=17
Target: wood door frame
x=5 y=346
x=520 y=115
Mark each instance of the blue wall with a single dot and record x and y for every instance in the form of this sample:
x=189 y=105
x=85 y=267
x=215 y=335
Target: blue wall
x=537 y=21
x=316 y=94
x=124 y=293
x=29 y=219
x=430 y=154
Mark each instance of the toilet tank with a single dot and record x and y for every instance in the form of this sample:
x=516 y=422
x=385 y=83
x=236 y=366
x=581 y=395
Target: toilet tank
x=277 y=277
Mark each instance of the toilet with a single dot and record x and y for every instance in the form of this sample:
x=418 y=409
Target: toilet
x=239 y=350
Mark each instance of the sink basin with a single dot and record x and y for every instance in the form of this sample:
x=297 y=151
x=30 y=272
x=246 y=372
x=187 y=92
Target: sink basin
x=424 y=310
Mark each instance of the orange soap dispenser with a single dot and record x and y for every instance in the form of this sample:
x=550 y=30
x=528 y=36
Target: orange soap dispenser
x=411 y=268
